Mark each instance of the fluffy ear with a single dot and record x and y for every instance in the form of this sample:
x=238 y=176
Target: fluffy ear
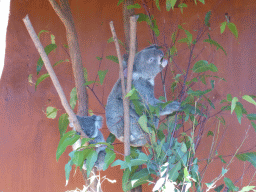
x=98 y=122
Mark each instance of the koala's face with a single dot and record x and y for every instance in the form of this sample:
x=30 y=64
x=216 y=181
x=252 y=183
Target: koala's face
x=149 y=62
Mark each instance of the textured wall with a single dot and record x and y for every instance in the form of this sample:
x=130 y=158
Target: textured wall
x=28 y=140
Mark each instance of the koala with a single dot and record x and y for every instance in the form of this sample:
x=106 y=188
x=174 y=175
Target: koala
x=147 y=64
x=90 y=126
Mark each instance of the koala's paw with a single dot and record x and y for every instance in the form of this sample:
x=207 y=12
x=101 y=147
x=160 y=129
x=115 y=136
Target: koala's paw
x=170 y=108
x=174 y=106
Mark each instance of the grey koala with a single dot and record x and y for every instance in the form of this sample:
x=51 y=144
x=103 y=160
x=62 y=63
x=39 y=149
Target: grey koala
x=91 y=125
x=147 y=64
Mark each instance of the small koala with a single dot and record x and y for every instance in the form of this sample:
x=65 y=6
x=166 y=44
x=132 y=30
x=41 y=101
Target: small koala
x=147 y=64
x=90 y=126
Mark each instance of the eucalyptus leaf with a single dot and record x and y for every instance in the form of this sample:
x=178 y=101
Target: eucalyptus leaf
x=47 y=50
x=41 y=78
x=67 y=139
x=113 y=58
x=73 y=98
x=250 y=157
x=249 y=99
x=90 y=161
x=207 y=18
x=223 y=26
x=143 y=123
x=51 y=112
x=217 y=45
x=63 y=124
x=233 y=29
x=102 y=75
x=109 y=158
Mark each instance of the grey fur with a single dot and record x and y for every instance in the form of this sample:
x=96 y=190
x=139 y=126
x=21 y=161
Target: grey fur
x=90 y=126
x=147 y=64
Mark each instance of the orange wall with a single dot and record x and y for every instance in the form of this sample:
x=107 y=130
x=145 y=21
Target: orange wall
x=28 y=140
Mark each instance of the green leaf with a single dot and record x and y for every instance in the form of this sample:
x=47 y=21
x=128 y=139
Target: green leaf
x=157 y=4
x=140 y=177
x=184 y=40
x=219 y=188
x=68 y=168
x=51 y=112
x=224 y=171
x=52 y=39
x=198 y=93
x=110 y=40
x=223 y=26
x=233 y=104
x=174 y=37
x=135 y=6
x=207 y=18
x=123 y=164
x=89 y=83
x=221 y=158
x=210 y=102
x=229 y=97
x=239 y=113
x=202 y=1
x=189 y=36
x=170 y=4
x=247 y=188
x=100 y=58
x=251 y=157
x=41 y=78
x=102 y=75
x=85 y=140
x=253 y=125
x=130 y=93
x=47 y=50
x=251 y=116
x=202 y=66
x=67 y=139
x=30 y=79
x=85 y=74
x=73 y=98
x=143 y=123
x=154 y=27
x=143 y=17
x=59 y=62
x=173 y=50
x=230 y=184
x=112 y=58
x=109 y=158
x=111 y=138
x=90 y=161
x=217 y=45
x=63 y=124
x=42 y=31
x=79 y=156
x=174 y=172
x=210 y=133
x=249 y=99
x=181 y=6
x=119 y=2
x=222 y=120
x=233 y=29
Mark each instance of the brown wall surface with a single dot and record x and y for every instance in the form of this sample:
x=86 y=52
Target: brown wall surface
x=28 y=140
